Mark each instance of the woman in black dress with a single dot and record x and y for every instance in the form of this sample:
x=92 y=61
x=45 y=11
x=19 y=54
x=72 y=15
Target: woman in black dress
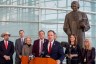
x=88 y=53
x=72 y=51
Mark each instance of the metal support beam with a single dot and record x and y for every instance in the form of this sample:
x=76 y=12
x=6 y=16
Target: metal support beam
x=36 y=7
x=88 y=1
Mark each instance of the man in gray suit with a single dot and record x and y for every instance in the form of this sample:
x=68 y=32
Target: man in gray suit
x=18 y=47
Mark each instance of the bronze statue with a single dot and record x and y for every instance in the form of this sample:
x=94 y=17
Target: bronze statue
x=76 y=22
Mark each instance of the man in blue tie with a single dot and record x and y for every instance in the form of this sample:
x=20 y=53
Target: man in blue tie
x=18 y=47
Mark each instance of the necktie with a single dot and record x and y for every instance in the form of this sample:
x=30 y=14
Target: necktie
x=49 y=48
x=41 y=45
x=22 y=41
x=6 y=45
x=41 y=48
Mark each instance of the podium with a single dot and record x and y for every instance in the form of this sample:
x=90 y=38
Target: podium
x=24 y=60
x=38 y=60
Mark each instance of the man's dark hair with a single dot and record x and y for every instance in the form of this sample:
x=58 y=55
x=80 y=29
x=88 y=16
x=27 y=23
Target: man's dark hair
x=21 y=30
x=51 y=31
x=41 y=31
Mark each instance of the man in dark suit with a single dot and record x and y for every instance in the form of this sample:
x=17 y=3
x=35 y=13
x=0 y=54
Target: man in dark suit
x=18 y=47
x=38 y=44
x=6 y=49
x=53 y=49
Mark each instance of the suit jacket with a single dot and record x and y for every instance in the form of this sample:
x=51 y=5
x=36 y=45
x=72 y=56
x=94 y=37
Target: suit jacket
x=9 y=52
x=35 y=49
x=57 y=52
x=18 y=48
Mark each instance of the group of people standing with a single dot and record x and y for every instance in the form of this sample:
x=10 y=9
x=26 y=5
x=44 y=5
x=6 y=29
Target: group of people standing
x=41 y=47
x=78 y=51
x=49 y=48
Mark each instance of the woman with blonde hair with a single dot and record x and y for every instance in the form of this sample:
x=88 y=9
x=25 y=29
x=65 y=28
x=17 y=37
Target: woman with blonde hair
x=27 y=49
x=88 y=53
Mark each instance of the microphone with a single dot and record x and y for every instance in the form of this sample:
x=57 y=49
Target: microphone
x=42 y=54
x=33 y=55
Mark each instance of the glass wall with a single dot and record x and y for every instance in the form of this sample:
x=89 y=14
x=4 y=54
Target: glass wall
x=35 y=15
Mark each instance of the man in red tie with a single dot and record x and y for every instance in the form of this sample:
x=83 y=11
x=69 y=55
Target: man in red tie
x=53 y=49
x=6 y=49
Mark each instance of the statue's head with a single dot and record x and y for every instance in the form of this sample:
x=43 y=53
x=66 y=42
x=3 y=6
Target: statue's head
x=75 y=5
